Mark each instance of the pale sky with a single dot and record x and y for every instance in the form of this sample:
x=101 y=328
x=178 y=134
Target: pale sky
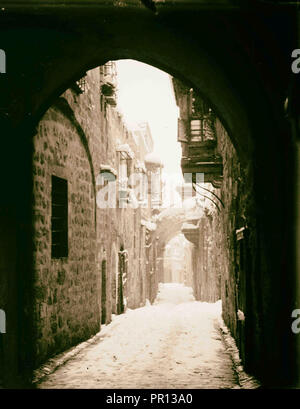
x=145 y=93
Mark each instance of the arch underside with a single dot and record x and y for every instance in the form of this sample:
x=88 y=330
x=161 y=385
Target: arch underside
x=205 y=49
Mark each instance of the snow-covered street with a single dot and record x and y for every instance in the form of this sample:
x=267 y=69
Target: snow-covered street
x=175 y=343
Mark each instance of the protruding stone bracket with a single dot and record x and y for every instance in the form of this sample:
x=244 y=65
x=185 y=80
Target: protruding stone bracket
x=191 y=232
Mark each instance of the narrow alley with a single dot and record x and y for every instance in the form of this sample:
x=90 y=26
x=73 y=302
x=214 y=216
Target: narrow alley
x=174 y=344
x=149 y=206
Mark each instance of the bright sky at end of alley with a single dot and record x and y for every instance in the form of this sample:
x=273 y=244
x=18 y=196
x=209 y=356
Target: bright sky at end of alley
x=145 y=93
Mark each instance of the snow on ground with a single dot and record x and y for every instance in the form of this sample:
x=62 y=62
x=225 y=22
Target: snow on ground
x=175 y=343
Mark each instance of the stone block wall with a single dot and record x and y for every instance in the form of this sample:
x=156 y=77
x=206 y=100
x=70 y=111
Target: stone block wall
x=77 y=135
x=228 y=258
x=239 y=250
x=215 y=257
x=207 y=265
x=66 y=289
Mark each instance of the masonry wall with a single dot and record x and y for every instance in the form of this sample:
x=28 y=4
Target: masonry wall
x=121 y=226
x=233 y=253
x=67 y=308
x=75 y=294
x=226 y=257
x=207 y=260
x=240 y=253
x=154 y=264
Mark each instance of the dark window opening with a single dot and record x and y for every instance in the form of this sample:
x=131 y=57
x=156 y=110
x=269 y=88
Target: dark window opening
x=59 y=218
x=122 y=272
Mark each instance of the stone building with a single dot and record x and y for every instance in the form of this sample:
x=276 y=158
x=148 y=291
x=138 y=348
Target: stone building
x=90 y=230
x=224 y=241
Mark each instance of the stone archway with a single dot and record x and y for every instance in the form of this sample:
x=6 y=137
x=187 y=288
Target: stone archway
x=234 y=56
x=169 y=224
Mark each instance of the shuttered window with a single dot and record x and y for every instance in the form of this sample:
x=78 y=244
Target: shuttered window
x=196 y=129
x=59 y=218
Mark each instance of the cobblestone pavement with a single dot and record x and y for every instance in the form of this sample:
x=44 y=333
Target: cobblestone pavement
x=166 y=345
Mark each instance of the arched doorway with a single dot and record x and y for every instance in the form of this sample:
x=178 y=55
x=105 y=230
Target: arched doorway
x=114 y=279
x=103 y=292
x=121 y=278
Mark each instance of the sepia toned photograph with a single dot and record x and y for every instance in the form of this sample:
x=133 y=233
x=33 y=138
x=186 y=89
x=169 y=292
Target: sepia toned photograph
x=150 y=197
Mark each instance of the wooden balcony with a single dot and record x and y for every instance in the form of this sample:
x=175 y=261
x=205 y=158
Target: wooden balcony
x=205 y=150
x=212 y=168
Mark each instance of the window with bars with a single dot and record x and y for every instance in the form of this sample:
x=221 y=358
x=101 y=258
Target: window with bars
x=59 y=218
